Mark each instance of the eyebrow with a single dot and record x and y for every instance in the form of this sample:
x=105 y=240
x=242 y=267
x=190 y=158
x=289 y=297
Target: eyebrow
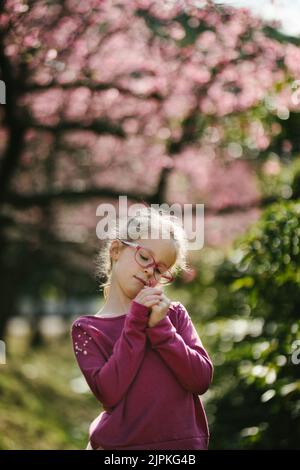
x=153 y=254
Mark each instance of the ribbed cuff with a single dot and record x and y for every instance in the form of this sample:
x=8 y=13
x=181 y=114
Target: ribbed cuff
x=161 y=332
x=139 y=314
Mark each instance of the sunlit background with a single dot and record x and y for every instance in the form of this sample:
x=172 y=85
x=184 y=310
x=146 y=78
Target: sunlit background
x=284 y=11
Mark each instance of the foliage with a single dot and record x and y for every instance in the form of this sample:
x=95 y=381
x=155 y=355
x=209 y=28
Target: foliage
x=43 y=406
x=253 y=332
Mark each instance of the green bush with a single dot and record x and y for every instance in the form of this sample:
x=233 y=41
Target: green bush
x=255 y=401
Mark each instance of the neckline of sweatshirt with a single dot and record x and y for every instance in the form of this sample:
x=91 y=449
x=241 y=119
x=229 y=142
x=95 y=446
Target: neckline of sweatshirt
x=107 y=318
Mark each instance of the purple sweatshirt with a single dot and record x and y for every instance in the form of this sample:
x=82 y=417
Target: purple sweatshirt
x=148 y=380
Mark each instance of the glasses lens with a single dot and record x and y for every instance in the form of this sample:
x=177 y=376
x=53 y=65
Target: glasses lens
x=165 y=278
x=144 y=257
x=162 y=274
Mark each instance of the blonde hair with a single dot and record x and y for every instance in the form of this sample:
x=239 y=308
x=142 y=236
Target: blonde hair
x=147 y=217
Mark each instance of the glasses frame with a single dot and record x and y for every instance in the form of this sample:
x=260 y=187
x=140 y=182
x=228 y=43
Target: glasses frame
x=154 y=263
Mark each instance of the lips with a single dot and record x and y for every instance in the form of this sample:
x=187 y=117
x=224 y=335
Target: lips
x=141 y=280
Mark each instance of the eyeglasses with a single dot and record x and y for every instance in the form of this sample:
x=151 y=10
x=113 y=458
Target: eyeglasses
x=145 y=259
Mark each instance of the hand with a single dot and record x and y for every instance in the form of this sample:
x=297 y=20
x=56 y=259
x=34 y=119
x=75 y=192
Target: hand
x=159 y=310
x=149 y=296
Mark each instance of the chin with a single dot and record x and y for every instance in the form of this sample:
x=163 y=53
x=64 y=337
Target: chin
x=132 y=290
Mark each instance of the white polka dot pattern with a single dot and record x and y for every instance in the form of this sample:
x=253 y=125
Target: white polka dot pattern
x=82 y=340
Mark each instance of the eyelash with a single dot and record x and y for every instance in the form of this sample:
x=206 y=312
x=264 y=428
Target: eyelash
x=157 y=270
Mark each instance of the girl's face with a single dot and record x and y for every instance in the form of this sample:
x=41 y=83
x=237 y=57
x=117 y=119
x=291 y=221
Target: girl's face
x=126 y=270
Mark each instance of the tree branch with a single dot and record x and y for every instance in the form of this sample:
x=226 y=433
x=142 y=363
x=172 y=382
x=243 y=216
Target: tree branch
x=32 y=87
x=23 y=201
x=99 y=126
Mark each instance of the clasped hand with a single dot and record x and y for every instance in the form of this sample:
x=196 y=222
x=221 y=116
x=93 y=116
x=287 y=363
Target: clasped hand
x=156 y=300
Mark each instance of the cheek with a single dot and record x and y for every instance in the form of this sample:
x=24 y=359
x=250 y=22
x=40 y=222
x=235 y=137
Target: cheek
x=125 y=271
x=126 y=267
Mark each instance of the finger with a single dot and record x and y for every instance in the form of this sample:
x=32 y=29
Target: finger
x=148 y=291
x=144 y=295
x=162 y=304
x=158 y=286
x=151 y=289
x=164 y=300
x=152 y=297
x=149 y=298
x=151 y=303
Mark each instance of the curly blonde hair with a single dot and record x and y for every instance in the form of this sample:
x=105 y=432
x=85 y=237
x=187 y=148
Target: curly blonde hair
x=148 y=217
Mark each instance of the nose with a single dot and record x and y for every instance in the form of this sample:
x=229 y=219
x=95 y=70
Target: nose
x=149 y=270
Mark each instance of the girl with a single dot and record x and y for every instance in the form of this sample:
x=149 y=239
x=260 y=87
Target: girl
x=140 y=354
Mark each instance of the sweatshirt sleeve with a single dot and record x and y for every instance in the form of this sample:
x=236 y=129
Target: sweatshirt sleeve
x=182 y=351
x=110 y=378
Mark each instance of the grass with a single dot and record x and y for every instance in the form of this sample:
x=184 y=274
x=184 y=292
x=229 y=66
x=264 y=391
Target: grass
x=39 y=407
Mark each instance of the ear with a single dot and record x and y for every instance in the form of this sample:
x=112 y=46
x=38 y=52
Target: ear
x=115 y=249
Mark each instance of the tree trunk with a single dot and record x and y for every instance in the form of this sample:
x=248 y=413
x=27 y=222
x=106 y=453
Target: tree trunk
x=8 y=302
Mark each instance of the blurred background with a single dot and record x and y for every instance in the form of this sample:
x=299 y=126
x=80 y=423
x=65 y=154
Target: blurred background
x=161 y=101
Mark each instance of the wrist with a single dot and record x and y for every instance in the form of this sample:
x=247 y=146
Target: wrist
x=138 y=314
x=137 y=306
